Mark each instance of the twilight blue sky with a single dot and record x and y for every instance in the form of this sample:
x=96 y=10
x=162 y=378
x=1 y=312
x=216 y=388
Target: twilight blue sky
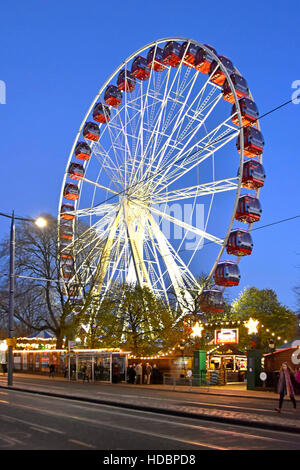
x=54 y=57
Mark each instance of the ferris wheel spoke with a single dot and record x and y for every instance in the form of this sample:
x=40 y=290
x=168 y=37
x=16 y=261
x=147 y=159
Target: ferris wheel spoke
x=185 y=129
x=197 y=191
x=116 y=147
x=97 y=185
x=180 y=118
x=173 y=269
x=95 y=210
x=114 y=269
x=157 y=270
x=194 y=159
x=202 y=105
x=136 y=240
x=103 y=264
x=88 y=244
x=140 y=138
x=183 y=224
x=112 y=171
x=163 y=107
x=179 y=155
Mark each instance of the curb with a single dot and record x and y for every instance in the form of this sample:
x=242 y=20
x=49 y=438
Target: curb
x=151 y=409
x=212 y=392
x=199 y=392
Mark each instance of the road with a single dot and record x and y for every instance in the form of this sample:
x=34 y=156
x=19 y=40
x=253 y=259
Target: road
x=257 y=408
x=33 y=422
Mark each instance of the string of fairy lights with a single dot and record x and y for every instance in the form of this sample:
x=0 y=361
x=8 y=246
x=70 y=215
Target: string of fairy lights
x=251 y=324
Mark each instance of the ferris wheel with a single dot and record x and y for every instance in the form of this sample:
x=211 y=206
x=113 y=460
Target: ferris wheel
x=165 y=170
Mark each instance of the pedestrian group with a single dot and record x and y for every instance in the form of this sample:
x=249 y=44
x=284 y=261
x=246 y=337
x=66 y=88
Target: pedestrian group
x=139 y=373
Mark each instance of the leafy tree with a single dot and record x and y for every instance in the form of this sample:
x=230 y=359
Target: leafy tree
x=263 y=305
x=132 y=316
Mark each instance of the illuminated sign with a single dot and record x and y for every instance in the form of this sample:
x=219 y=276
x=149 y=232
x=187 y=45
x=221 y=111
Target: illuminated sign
x=227 y=336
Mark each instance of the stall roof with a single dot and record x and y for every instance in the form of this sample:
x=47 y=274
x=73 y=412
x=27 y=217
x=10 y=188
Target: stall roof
x=228 y=349
x=42 y=335
x=278 y=351
x=290 y=344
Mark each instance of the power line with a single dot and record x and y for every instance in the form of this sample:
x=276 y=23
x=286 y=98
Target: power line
x=159 y=256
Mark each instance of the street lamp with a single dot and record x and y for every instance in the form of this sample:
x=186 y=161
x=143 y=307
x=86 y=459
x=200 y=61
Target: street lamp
x=39 y=222
x=199 y=366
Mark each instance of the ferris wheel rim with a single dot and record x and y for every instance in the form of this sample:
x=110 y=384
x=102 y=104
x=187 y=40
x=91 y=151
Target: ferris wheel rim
x=108 y=81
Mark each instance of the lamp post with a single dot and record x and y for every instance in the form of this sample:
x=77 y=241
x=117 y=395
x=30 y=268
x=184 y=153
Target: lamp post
x=199 y=366
x=40 y=222
x=254 y=355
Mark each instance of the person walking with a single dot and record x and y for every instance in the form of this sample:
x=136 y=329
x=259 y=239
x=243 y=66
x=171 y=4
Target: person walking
x=297 y=379
x=131 y=373
x=4 y=368
x=85 y=373
x=155 y=374
x=51 y=370
x=148 y=371
x=115 y=373
x=139 y=373
x=189 y=376
x=285 y=386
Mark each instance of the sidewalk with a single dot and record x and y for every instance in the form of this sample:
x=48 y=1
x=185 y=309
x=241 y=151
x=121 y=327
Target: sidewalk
x=242 y=413
x=231 y=389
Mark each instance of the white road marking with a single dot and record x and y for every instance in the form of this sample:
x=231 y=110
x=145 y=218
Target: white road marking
x=34 y=428
x=84 y=444
x=12 y=418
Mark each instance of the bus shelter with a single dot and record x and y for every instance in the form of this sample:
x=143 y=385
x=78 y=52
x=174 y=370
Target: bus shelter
x=95 y=365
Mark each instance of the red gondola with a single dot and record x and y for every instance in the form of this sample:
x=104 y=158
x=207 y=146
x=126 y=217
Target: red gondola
x=76 y=171
x=188 y=51
x=101 y=113
x=204 y=59
x=155 y=59
x=249 y=112
x=73 y=290
x=65 y=253
x=211 y=301
x=249 y=209
x=125 y=81
x=217 y=75
x=68 y=271
x=77 y=303
x=240 y=86
x=113 y=96
x=66 y=231
x=64 y=244
x=64 y=212
x=91 y=131
x=227 y=274
x=253 y=142
x=71 y=191
x=140 y=69
x=239 y=243
x=171 y=54
x=83 y=151
x=253 y=175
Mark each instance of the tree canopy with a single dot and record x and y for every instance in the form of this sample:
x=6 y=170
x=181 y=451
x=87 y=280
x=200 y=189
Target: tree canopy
x=263 y=305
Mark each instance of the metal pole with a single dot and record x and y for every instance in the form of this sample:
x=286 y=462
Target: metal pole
x=11 y=300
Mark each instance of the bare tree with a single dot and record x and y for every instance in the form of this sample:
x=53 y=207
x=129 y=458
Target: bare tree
x=42 y=300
